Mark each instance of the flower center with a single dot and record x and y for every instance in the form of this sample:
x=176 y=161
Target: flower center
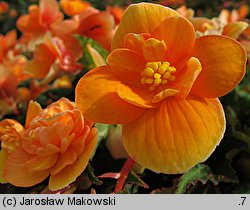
x=157 y=73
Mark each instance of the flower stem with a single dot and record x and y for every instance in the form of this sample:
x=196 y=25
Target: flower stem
x=124 y=174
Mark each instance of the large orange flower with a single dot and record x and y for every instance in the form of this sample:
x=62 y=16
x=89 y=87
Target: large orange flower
x=162 y=84
x=57 y=141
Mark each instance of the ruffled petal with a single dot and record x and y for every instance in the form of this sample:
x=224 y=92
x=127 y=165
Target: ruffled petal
x=149 y=16
x=179 y=36
x=223 y=62
x=41 y=163
x=71 y=172
x=16 y=172
x=176 y=136
x=70 y=155
x=97 y=99
x=34 y=110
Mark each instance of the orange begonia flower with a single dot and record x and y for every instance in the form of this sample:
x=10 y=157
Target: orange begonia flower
x=56 y=142
x=162 y=84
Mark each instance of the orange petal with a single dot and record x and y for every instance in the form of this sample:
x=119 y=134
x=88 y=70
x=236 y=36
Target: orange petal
x=71 y=172
x=135 y=41
x=98 y=26
x=126 y=65
x=154 y=50
x=164 y=94
x=64 y=29
x=141 y=97
x=16 y=172
x=37 y=69
x=223 y=62
x=34 y=109
x=187 y=78
x=65 y=159
x=41 y=163
x=70 y=155
x=176 y=136
x=97 y=99
x=50 y=11
x=140 y=18
x=179 y=36
x=96 y=56
x=234 y=29
x=3 y=159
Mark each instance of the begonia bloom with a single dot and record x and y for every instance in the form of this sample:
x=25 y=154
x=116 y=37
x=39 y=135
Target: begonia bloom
x=162 y=83
x=57 y=143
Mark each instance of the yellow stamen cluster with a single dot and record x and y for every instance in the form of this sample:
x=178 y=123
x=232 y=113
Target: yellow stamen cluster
x=157 y=73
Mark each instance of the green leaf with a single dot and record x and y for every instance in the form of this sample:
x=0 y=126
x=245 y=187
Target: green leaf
x=87 y=60
x=89 y=171
x=135 y=179
x=164 y=190
x=103 y=130
x=245 y=189
x=129 y=189
x=243 y=137
x=199 y=173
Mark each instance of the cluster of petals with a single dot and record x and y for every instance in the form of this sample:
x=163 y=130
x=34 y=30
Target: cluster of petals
x=162 y=84
x=51 y=37
x=57 y=142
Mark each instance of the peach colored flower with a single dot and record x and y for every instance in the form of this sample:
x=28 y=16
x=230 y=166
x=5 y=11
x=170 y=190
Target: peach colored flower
x=92 y=23
x=40 y=20
x=56 y=142
x=54 y=54
x=11 y=74
x=228 y=24
x=162 y=83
